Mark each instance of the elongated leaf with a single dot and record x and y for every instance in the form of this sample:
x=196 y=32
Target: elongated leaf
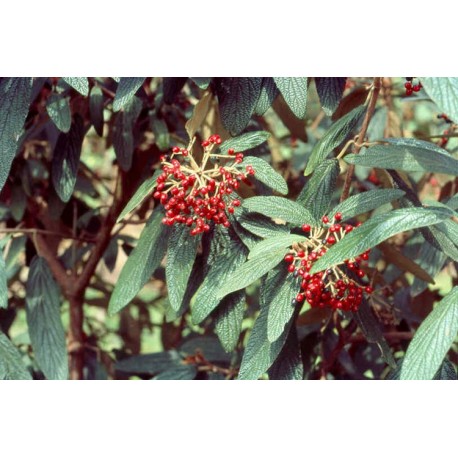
x=182 y=372
x=96 y=109
x=317 y=193
x=11 y=365
x=143 y=191
x=330 y=91
x=228 y=320
x=444 y=92
x=161 y=133
x=15 y=95
x=142 y=262
x=46 y=331
x=150 y=363
x=294 y=91
x=376 y=230
x=66 y=159
x=334 y=137
x=237 y=100
x=406 y=154
x=58 y=110
x=365 y=202
x=250 y=271
x=278 y=242
x=288 y=365
x=269 y=92
x=3 y=283
x=432 y=340
x=446 y=371
x=127 y=88
x=265 y=174
x=245 y=141
x=284 y=289
x=280 y=207
x=261 y=225
x=208 y=346
x=12 y=261
x=123 y=137
x=79 y=84
x=181 y=254
x=227 y=255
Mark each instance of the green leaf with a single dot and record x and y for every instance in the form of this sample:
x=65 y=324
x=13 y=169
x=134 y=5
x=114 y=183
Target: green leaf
x=11 y=365
x=446 y=371
x=127 y=88
x=123 y=137
x=318 y=191
x=269 y=93
x=377 y=229
x=284 y=289
x=237 y=100
x=3 y=283
x=228 y=320
x=334 y=137
x=365 y=202
x=275 y=243
x=330 y=91
x=143 y=191
x=58 y=110
x=142 y=262
x=265 y=174
x=406 y=154
x=432 y=340
x=161 y=133
x=245 y=141
x=66 y=159
x=444 y=93
x=261 y=225
x=12 y=260
x=15 y=95
x=202 y=82
x=227 y=255
x=47 y=333
x=294 y=91
x=250 y=271
x=209 y=346
x=79 y=84
x=288 y=365
x=182 y=372
x=181 y=254
x=281 y=208
x=150 y=363
x=96 y=109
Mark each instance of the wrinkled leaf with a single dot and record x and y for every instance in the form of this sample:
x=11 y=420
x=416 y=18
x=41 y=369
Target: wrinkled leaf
x=228 y=320
x=330 y=91
x=245 y=141
x=11 y=365
x=294 y=91
x=444 y=92
x=127 y=88
x=79 y=84
x=58 y=110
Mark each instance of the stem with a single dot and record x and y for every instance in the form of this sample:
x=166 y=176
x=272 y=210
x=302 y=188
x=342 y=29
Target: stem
x=76 y=337
x=362 y=135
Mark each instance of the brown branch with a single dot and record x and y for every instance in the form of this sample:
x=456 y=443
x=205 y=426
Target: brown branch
x=361 y=136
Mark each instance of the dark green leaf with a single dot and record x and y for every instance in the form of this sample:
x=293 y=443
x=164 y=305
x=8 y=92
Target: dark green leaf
x=406 y=154
x=202 y=82
x=228 y=320
x=446 y=371
x=123 y=138
x=444 y=92
x=181 y=253
x=237 y=100
x=11 y=365
x=15 y=95
x=208 y=346
x=269 y=93
x=96 y=109
x=47 y=333
x=142 y=262
x=288 y=365
x=265 y=174
x=127 y=88
x=330 y=91
x=3 y=284
x=432 y=340
x=79 y=84
x=182 y=372
x=12 y=261
x=245 y=141
x=161 y=133
x=58 y=110
x=366 y=201
x=377 y=229
x=334 y=137
x=275 y=243
x=281 y=208
x=172 y=87
x=261 y=225
x=66 y=159
x=111 y=254
x=317 y=193
x=294 y=91
x=149 y=364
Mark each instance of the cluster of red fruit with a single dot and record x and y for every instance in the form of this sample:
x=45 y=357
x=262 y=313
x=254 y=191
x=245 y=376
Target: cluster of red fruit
x=410 y=87
x=444 y=140
x=332 y=287
x=197 y=193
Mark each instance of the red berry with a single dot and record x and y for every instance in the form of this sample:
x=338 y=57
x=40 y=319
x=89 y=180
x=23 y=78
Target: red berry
x=325 y=219
x=306 y=227
x=416 y=88
x=338 y=217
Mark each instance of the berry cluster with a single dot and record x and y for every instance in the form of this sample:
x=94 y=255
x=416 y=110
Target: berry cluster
x=332 y=287
x=444 y=140
x=411 y=87
x=198 y=192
